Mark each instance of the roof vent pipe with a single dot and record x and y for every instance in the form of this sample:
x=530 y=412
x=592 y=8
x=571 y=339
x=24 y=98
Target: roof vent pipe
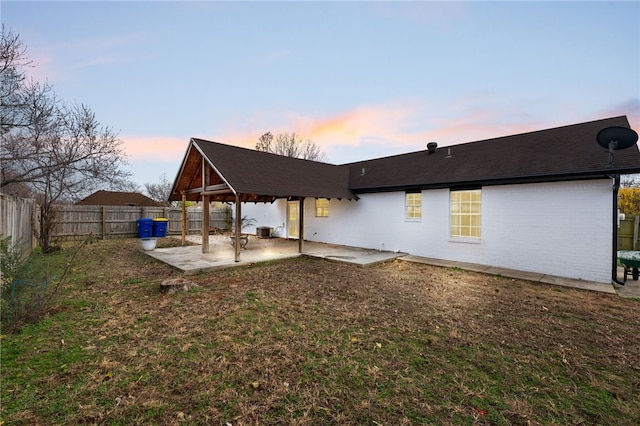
x=432 y=147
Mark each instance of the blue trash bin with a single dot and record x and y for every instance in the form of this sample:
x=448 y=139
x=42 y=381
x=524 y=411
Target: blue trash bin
x=160 y=227
x=145 y=228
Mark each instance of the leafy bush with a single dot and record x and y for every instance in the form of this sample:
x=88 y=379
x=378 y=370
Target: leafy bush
x=10 y=261
x=31 y=288
x=629 y=201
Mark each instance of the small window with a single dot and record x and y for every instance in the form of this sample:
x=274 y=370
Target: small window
x=413 y=205
x=322 y=207
x=466 y=209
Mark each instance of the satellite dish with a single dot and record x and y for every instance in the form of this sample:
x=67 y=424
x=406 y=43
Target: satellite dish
x=615 y=138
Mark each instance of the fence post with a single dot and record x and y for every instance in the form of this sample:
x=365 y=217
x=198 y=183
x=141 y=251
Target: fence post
x=104 y=224
x=636 y=224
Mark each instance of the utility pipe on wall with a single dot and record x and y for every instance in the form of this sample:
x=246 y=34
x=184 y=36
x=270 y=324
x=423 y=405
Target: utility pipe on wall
x=614 y=245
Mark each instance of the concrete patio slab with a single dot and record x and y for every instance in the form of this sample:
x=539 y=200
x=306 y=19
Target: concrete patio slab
x=630 y=289
x=354 y=255
x=191 y=260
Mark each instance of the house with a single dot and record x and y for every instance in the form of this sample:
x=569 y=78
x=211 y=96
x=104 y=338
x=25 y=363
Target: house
x=542 y=201
x=114 y=198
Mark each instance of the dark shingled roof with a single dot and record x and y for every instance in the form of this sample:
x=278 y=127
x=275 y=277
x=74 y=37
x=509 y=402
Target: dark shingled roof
x=261 y=176
x=111 y=198
x=562 y=153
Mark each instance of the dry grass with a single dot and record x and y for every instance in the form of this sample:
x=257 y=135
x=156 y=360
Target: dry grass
x=307 y=341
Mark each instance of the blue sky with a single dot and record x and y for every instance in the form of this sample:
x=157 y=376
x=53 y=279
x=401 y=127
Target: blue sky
x=360 y=79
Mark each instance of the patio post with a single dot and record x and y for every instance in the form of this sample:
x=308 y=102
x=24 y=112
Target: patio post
x=301 y=227
x=238 y=226
x=206 y=199
x=184 y=219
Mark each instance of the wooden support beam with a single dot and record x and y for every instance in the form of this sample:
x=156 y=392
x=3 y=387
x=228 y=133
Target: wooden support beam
x=206 y=218
x=218 y=192
x=207 y=188
x=206 y=200
x=184 y=219
x=238 y=227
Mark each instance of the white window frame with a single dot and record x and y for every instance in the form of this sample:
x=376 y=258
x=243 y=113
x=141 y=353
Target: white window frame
x=322 y=210
x=465 y=214
x=413 y=206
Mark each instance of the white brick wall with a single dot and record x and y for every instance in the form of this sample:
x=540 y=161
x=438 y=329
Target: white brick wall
x=562 y=228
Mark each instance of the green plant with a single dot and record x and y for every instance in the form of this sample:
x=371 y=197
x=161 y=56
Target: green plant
x=10 y=261
x=35 y=284
x=244 y=223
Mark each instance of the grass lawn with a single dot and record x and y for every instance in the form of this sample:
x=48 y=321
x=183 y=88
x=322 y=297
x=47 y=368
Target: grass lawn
x=307 y=341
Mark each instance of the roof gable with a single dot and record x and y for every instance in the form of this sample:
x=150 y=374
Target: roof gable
x=259 y=176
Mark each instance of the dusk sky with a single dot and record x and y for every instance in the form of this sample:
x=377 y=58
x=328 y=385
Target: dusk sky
x=360 y=79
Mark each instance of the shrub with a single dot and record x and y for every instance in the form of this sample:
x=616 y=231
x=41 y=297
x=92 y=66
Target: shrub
x=10 y=261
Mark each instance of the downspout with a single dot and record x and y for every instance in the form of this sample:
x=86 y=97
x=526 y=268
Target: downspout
x=614 y=245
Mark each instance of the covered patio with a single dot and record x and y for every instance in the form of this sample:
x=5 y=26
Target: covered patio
x=211 y=171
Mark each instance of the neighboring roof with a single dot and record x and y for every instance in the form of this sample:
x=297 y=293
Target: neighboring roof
x=562 y=153
x=258 y=175
x=112 y=198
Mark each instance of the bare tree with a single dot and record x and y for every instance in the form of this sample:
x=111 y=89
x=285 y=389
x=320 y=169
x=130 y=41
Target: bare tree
x=159 y=191
x=290 y=145
x=61 y=152
x=126 y=186
x=13 y=61
x=630 y=181
x=264 y=143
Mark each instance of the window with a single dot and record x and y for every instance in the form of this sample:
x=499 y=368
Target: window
x=413 y=205
x=322 y=207
x=466 y=208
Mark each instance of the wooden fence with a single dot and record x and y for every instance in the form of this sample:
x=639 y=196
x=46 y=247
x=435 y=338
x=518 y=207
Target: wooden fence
x=17 y=218
x=77 y=222
x=628 y=233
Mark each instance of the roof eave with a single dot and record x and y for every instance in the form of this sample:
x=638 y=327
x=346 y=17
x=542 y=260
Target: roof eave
x=499 y=181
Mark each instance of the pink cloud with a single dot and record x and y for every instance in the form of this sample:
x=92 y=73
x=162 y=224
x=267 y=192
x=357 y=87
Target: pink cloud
x=407 y=125
x=380 y=124
x=56 y=61
x=398 y=127
x=41 y=68
x=155 y=148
